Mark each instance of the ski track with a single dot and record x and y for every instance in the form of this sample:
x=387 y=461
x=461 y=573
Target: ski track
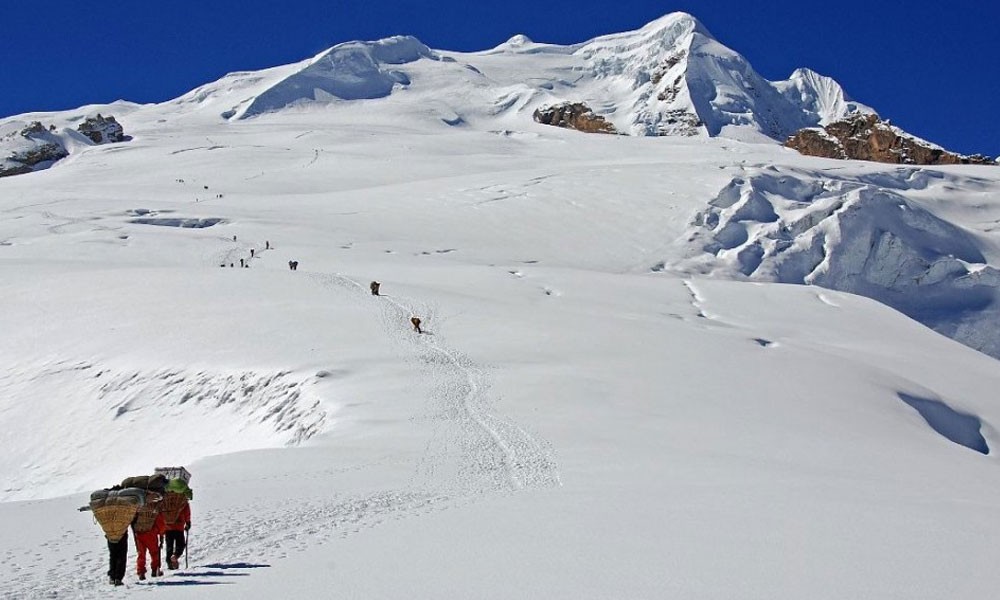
x=472 y=451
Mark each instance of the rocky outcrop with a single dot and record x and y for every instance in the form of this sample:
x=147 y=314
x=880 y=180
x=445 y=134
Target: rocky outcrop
x=102 y=130
x=34 y=147
x=573 y=115
x=867 y=137
x=44 y=152
x=678 y=122
x=34 y=128
x=6 y=170
x=669 y=62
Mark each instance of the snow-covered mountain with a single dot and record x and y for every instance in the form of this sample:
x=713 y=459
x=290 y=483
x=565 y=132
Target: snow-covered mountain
x=669 y=77
x=618 y=393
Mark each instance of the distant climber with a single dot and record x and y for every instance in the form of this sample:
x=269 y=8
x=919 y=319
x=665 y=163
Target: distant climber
x=267 y=245
x=293 y=265
x=251 y=252
x=374 y=287
x=234 y=238
x=416 y=324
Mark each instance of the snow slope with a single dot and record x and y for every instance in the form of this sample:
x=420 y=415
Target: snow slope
x=618 y=394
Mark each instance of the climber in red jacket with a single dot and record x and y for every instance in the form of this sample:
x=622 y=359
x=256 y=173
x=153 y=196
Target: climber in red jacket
x=147 y=528
x=177 y=518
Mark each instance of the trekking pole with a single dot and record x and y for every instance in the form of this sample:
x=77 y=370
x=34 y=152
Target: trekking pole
x=186 y=538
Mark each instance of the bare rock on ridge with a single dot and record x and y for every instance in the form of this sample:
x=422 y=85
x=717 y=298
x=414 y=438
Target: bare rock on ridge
x=867 y=137
x=573 y=115
x=30 y=149
x=102 y=130
x=36 y=147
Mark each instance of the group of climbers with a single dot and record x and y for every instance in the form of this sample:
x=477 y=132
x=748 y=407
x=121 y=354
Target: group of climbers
x=245 y=262
x=157 y=509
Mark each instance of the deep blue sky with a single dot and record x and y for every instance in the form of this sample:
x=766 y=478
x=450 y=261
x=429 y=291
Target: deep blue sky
x=933 y=68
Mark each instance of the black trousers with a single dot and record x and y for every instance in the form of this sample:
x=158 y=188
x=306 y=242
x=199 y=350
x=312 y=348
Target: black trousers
x=117 y=557
x=175 y=543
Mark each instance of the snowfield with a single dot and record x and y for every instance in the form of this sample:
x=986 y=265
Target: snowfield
x=652 y=367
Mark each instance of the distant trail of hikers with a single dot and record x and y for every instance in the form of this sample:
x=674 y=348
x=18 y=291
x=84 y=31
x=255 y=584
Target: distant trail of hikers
x=157 y=509
x=293 y=265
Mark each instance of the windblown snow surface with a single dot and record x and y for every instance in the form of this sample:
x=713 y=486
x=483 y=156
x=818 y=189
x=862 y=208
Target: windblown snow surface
x=652 y=367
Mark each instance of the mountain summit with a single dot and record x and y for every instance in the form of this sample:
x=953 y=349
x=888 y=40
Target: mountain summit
x=670 y=77
x=680 y=80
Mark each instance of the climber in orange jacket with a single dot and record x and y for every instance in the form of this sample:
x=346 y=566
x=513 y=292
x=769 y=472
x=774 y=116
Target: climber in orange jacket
x=147 y=528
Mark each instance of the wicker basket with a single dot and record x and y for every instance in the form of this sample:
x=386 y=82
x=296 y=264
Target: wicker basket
x=145 y=518
x=114 y=519
x=172 y=505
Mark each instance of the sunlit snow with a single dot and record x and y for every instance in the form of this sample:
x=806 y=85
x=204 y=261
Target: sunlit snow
x=652 y=367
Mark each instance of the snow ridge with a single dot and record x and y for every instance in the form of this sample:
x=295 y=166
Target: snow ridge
x=349 y=71
x=858 y=235
x=211 y=409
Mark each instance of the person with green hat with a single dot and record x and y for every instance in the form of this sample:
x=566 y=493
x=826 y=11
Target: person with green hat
x=177 y=518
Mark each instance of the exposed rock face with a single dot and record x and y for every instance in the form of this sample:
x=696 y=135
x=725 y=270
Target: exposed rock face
x=679 y=122
x=29 y=149
x=8 y=170
x=33 y=128
x=867 y=137
x=48 y=151
x=37 y=147
x=574 y=115
x=102 y=130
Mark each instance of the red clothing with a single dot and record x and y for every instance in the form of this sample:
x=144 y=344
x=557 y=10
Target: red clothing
x=149 y=541
x=183 y=519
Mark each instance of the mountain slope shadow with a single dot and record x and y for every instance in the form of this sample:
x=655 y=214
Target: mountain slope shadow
x=957 y=427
